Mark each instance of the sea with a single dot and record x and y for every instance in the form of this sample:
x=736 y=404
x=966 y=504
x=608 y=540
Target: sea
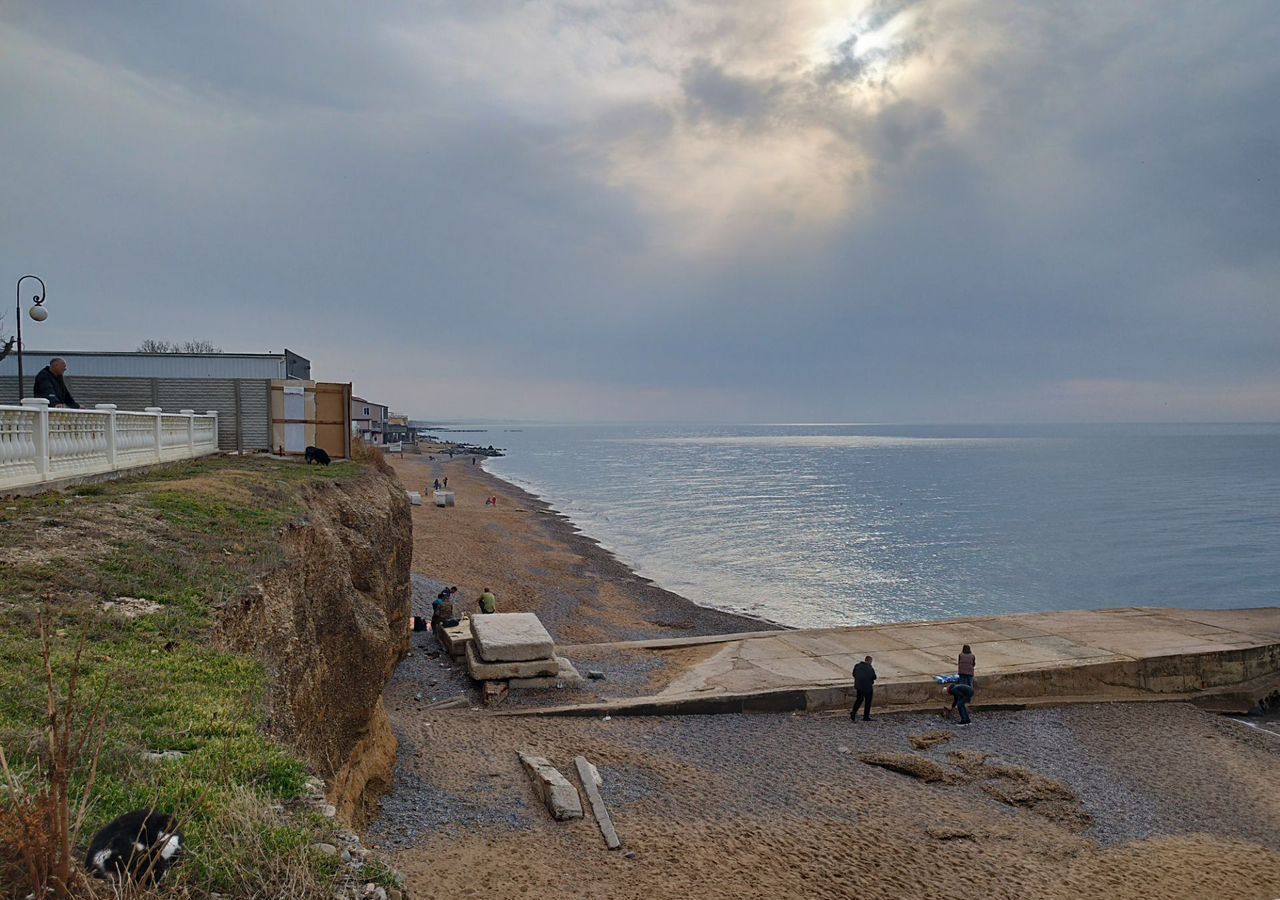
x=825 y=525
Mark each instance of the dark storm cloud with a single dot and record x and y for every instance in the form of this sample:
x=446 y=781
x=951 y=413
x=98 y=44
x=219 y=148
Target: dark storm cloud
x=927 y=210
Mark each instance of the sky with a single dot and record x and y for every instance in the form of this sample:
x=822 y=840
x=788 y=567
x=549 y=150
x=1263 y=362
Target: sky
x=748 y=211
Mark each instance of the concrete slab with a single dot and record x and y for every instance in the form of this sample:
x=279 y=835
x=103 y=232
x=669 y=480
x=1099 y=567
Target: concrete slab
x=1131 y=652
x=511 y=637
x=487 y=671
x=456 y=638
x=553 y=789
x=953 y=634
x=565 y=676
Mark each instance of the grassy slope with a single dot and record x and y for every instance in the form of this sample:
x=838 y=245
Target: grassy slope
x=184 y=537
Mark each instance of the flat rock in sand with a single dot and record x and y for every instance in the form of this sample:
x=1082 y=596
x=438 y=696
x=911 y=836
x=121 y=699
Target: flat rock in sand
x=560 y=797
x=501 y=671
x=511 y=637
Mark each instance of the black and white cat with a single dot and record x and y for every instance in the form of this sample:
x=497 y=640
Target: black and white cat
x=138 y=846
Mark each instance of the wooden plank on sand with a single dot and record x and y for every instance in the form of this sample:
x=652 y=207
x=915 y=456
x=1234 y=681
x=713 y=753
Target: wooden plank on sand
x=588 y=774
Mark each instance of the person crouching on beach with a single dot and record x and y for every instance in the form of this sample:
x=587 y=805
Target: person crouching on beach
x=487 y=602
x=864 y=676
x=965 y=665
x=961 y=694
x=442 y=608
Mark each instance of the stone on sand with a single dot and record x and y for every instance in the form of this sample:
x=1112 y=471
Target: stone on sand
x=566 y=676
x=501 y=671
x=561 y=797
x=511 y=637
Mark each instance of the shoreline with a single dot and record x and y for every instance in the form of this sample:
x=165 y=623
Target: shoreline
x=582 y=579
x=579 y=540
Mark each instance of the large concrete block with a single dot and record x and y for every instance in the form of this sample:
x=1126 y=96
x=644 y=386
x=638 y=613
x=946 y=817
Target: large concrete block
x=501 y=671
x=511 y=637
x=457 y=638
x=565 y=676
x=560 y=797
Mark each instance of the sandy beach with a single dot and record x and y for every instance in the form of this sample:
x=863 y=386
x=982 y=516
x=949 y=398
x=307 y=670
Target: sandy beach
x=1100 y=800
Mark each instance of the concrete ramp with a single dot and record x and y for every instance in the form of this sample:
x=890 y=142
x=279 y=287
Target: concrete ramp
x=1129 y=653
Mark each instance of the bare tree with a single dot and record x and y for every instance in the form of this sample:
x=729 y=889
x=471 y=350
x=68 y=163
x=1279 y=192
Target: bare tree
x=6 y=344
x=151 y=345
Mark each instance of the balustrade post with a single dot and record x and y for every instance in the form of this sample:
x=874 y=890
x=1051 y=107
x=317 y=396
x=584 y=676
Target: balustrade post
x=40 y=434
x=110 y=408
x=191 y=431
x=159 y=428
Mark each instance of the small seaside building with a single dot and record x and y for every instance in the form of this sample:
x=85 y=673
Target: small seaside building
x=237 y=385
x=369 y=420
x=398 y=429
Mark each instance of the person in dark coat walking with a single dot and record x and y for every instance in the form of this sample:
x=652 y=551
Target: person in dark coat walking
x=864 y=676
x=50 y=386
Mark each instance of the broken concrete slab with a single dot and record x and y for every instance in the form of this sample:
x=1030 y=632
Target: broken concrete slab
x=591 y=783
x=495 y=692
x=511 y=637
x=560 y=797
x=566 y=676
x=501 y=671
x=455 y=638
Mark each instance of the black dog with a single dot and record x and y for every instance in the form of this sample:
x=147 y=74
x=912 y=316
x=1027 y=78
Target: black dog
x=315 y=454
x=139 y=846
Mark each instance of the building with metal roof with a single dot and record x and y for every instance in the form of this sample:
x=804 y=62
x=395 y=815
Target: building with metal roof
x=237 y=385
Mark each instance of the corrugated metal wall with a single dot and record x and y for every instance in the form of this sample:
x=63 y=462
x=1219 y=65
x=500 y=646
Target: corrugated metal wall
x=155 y=365
x=243 y=404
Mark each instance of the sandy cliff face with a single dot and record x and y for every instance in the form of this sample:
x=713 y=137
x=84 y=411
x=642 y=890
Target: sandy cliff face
x=330 y=623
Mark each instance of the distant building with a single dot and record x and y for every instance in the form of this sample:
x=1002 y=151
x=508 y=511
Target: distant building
x=369 y=420
x=237 y=385
x=398 y=429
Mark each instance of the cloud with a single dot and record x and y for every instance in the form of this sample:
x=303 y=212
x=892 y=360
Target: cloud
x=820 y=209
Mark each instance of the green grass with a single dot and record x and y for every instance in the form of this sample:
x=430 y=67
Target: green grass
x=186 y=547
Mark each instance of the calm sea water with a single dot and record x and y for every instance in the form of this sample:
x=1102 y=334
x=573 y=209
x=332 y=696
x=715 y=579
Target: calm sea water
x=831 y=525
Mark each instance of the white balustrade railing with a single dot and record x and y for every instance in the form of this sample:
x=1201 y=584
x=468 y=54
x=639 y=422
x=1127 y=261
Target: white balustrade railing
x=39 y=444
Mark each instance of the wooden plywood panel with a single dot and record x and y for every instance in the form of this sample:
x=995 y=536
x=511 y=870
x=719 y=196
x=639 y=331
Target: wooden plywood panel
x=333 y=418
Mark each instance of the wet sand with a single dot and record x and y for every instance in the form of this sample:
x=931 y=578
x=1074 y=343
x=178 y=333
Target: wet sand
x=1105 y=800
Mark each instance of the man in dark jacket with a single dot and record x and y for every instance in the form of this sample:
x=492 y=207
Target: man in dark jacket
x=863 y=678
x=50 y=386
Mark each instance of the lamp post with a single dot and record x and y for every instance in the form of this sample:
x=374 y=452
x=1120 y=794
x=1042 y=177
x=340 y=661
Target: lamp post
x=38 y=312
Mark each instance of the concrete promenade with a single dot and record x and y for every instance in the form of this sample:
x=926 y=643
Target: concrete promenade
x=1230 y=658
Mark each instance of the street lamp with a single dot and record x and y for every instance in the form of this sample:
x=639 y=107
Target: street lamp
x=38 y=312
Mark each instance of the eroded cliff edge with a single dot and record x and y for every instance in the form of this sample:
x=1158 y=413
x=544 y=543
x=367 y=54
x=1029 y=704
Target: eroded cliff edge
x=329 y=623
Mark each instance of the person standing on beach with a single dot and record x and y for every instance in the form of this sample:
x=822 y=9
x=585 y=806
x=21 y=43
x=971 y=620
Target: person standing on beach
x=965 y=665
x=864 y=677
x=488 y=603
x=446 y=482
x=436 y=485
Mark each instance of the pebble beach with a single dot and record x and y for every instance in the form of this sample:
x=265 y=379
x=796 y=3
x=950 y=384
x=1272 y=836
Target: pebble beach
x=1101 y=800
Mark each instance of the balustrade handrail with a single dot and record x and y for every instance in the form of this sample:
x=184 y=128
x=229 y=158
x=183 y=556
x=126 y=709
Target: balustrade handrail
x=40 y=444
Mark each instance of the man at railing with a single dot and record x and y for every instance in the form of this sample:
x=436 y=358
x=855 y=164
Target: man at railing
x=50 y=386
